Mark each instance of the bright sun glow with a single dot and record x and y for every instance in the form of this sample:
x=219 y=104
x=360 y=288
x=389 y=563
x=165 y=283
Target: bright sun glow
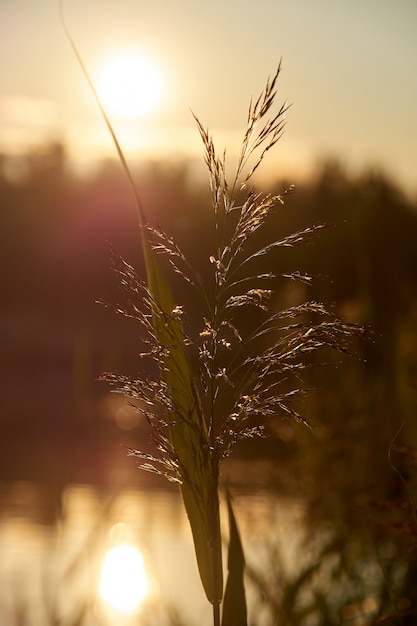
x=123 y=582
x=129 y=85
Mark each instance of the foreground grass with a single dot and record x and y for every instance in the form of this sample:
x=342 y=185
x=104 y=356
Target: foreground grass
x=220 y=380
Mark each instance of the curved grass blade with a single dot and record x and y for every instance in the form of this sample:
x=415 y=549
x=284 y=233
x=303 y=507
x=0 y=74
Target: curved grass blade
x=198 y=471
x=188 y=432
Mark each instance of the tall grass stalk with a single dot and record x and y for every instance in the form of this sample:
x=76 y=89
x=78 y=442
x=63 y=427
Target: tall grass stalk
x=243 y=377
x=244 y=374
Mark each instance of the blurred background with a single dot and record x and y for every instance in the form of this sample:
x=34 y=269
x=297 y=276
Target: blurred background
x=68 y=491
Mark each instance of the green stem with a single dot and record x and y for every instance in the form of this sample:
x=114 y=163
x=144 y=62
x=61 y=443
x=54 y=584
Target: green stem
x=216 y=614
x=215 y=536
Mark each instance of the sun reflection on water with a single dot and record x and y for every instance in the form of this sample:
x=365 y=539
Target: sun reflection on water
x=123 y=582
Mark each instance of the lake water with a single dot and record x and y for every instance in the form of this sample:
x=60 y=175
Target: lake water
x=53 y=571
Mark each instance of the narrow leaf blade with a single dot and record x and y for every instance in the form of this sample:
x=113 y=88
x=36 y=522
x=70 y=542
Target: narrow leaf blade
x=188 y=434
x=234 y=604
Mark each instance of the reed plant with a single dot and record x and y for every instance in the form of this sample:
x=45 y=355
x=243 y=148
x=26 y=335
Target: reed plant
x=220 y=379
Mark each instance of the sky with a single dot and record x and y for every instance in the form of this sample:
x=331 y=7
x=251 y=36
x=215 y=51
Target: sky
x=348 y=72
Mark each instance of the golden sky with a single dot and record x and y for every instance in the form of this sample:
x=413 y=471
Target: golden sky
x=348 y=70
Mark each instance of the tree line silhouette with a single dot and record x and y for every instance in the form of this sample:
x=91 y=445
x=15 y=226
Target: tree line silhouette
x=56 y=236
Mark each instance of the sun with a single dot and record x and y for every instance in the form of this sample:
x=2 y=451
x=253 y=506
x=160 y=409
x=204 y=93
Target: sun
x=129 y=85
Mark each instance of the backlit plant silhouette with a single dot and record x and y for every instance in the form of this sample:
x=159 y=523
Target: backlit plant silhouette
x=221 y=381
